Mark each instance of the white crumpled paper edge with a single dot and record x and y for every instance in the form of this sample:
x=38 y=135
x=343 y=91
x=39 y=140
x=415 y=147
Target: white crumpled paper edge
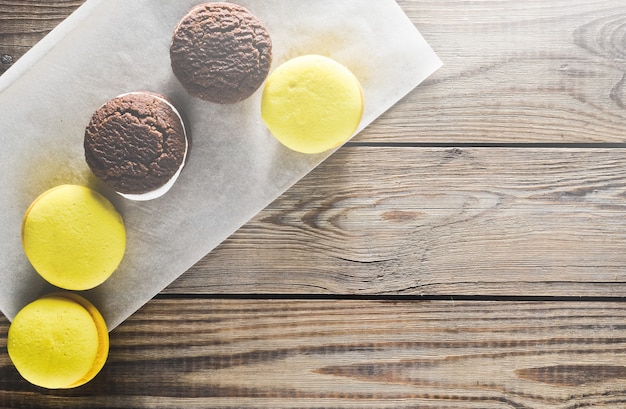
x=235 y=168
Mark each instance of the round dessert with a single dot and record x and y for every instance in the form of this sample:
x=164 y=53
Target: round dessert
x=73 y=237
x=137 y=144
x=58 y=341
x=312 y=104
x=221 y=52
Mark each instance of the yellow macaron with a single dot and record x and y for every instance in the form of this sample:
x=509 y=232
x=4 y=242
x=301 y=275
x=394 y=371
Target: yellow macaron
x=312 y=103
x=58 y=341
x=74 y=237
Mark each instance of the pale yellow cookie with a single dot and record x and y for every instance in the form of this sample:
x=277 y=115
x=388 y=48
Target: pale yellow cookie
x=58 y=341
x=73 y=237
x=312 y=104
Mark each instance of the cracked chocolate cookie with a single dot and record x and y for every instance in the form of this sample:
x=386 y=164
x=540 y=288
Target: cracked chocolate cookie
x=220 y=52
x=136 y=144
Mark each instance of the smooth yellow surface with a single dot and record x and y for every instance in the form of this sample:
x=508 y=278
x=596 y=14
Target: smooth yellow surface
x=73 y=237
x=103 y=337
x=58 y=341
x=312 y=104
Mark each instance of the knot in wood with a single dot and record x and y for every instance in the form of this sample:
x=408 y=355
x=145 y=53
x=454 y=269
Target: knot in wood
x=6 y=59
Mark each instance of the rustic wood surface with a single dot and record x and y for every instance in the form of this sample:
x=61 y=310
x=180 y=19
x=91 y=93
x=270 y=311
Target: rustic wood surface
x=435 y=221
x=352 y=354
x=467 y=250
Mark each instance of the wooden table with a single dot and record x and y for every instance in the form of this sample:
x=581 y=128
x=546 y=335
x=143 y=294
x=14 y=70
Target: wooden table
x=467 y=250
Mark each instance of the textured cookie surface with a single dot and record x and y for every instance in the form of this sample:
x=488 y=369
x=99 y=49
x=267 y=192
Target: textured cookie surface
x=54 y=342
x=135 y=143
x=74 y=237
x=312 y=103
x=221 y=53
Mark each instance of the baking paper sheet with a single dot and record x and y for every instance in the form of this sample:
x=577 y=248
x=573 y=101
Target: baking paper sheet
x=235 y=168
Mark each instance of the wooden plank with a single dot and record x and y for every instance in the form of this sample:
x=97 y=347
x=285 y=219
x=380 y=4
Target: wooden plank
x=530 y=71
x=347 y=354
x=435 y=221
x=514 y=71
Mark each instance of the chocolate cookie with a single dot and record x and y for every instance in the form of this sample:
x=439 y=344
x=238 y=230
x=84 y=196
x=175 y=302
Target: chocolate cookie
x=220 y=52
x=136 y=143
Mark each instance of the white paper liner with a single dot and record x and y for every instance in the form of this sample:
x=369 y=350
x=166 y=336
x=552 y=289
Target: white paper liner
x=235 y=167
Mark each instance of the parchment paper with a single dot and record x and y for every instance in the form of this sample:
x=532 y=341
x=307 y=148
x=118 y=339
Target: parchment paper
x=235 y=167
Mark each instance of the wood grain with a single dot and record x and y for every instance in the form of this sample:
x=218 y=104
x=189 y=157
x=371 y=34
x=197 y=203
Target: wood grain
x=435 y=221
x=24 y=22
x=312 y=354
x=516 y=72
